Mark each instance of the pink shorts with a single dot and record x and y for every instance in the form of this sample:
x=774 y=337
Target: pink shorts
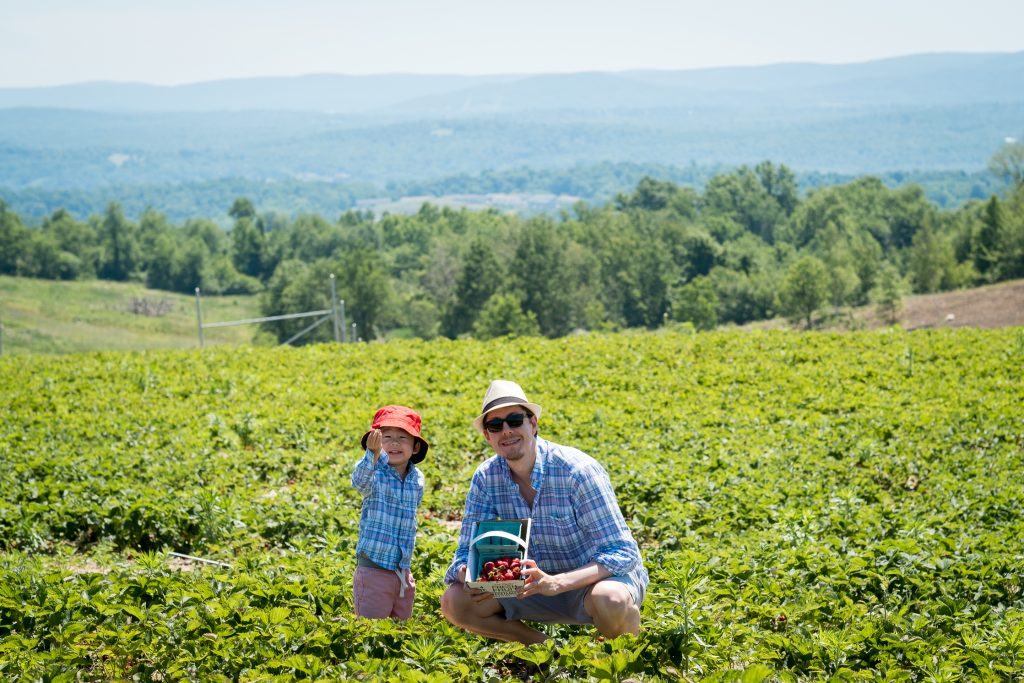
x=377 y=593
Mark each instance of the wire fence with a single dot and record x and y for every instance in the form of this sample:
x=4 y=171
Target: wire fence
x=335 y=313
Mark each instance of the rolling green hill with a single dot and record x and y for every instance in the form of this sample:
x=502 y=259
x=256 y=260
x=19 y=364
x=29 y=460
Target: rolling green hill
x=46 y=316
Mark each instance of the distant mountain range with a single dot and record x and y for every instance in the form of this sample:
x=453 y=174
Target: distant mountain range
x=919 y=80
x=371 y=136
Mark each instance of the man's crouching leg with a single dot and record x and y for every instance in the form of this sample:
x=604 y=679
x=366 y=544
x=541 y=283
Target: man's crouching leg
x=484 y=616
x=611 y=606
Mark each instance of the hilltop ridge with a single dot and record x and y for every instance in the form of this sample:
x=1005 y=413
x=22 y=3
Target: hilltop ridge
x=919 y=80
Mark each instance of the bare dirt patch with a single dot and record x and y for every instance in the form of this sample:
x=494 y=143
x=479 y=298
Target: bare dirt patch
x=991 y=306
x=87 y=566
x=999 y=305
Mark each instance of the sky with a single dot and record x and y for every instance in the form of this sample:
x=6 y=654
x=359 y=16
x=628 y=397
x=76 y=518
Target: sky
x=162 y=42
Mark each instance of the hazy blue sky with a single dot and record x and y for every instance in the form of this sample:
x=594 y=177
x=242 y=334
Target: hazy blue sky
x=48 y=42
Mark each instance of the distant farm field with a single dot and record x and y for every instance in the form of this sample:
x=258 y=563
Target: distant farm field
x=810 y=506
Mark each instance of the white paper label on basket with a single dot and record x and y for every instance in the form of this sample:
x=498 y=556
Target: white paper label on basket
x=504 y=590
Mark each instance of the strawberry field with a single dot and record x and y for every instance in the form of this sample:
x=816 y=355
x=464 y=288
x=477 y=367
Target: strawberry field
x=809 y=506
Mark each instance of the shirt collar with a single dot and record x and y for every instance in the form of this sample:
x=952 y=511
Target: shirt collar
x=410 y=469
x=539 y=465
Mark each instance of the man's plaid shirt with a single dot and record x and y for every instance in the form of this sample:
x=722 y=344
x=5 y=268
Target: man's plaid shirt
x=575 y=516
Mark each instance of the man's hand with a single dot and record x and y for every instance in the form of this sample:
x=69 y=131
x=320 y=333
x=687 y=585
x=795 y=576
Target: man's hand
x=374 y=442
x=537 y=582
x=476 y=594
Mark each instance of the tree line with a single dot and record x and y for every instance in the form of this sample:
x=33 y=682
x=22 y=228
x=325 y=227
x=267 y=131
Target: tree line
x=746 y=247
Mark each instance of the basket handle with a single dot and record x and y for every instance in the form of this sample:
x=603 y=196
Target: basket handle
x=499 y=534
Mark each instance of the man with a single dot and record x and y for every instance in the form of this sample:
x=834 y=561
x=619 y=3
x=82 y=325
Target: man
x=584 y=566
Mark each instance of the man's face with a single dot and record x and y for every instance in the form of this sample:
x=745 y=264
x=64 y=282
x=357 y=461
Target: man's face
x=512 y=443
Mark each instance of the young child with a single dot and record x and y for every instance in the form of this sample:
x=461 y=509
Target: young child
x=392 y=488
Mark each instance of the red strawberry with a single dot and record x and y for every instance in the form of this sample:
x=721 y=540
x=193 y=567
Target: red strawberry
x=488 y=566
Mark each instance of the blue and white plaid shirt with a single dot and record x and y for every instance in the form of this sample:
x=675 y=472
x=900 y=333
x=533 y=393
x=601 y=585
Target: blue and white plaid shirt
x=387 y=524
x=575 y=516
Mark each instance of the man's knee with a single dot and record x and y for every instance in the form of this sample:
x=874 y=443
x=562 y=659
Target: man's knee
x=459 y=607
x=610 y=605
x=610 y=601
x=450 y=601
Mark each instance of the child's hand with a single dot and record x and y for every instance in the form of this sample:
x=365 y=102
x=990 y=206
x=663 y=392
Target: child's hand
x=374 y=442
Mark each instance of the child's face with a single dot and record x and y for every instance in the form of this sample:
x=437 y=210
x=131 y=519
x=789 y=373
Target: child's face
x=399 y=444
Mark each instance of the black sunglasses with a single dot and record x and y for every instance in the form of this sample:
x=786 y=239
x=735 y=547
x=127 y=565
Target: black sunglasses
x=514 y=420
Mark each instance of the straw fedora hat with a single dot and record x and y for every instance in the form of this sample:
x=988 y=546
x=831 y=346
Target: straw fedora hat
x=500 y=394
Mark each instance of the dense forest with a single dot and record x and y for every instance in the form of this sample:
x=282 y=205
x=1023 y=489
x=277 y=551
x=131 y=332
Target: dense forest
x=748 y=246
x=550 y=189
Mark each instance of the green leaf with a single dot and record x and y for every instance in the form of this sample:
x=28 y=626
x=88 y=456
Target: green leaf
x=279 y=615
x=134 y=611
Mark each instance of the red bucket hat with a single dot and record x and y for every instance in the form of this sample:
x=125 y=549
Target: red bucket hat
x=403 y=418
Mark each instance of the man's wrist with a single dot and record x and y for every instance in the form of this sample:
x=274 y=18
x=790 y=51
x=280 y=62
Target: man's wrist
x=561 y=583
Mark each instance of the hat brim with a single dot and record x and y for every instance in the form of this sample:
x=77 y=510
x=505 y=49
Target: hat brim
x=416 y=458
x=505 y=403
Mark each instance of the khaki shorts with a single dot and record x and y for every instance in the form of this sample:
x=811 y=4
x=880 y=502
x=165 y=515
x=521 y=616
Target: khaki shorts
x=564 y=608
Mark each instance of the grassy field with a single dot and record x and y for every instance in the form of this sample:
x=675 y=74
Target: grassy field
x=810 y=506
x=47 y=316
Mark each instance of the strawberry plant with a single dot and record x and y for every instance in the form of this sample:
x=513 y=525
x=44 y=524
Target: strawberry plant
x=809 y=506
